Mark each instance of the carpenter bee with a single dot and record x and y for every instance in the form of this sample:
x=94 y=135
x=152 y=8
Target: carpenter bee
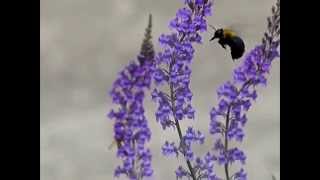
x=229 y=37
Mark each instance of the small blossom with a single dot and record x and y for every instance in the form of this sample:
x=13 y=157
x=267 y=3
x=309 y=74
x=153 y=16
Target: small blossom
x=218 y=145
x=181 y=172
x=235 y=154
x=205 y=166
x=240 y=175
x=169 y=149
x=193 y=136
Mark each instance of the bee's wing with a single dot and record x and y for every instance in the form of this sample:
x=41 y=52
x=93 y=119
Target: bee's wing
x=112 y=144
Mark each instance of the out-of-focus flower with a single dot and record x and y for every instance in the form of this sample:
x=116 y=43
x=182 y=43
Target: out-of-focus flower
x=131 y=130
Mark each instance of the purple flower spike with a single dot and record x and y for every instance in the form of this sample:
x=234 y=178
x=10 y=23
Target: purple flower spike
x=173 y=71
x=131 y=129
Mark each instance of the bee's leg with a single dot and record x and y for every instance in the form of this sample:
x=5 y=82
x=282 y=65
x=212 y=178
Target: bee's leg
x=221 y=42
x=223 y=46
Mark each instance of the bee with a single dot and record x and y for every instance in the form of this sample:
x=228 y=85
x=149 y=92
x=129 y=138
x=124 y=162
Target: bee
x=229 y=37
x=116 y=142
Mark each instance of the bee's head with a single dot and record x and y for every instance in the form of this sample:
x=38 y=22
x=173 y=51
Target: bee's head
x=218 y=34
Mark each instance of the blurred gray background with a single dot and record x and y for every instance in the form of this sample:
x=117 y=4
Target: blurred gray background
x=84 y=43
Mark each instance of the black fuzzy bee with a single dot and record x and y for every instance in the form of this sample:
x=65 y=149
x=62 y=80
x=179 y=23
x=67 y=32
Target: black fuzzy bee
x=229 y=37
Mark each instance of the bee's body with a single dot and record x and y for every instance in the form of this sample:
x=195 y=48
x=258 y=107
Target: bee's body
x=228 y=37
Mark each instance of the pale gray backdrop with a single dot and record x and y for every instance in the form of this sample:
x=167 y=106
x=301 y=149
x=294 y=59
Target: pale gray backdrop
x=84 y=43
